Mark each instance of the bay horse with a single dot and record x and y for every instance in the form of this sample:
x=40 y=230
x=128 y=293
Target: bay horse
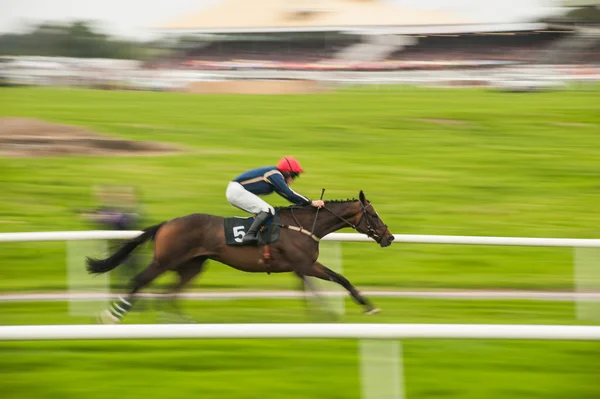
x=183 y=245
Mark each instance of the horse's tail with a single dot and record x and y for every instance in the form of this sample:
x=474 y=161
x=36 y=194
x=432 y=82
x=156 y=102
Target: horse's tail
x=98 y=266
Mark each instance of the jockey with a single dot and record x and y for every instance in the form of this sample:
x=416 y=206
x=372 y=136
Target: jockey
x=244 y=191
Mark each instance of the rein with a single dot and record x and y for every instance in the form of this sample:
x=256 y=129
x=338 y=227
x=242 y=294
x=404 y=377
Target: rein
x=371 y=232
x=299 y=228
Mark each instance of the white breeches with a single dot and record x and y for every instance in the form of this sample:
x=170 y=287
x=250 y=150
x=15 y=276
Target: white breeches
x=241 y=198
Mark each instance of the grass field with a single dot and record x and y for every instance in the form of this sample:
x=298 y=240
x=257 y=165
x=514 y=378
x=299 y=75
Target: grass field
x=432 y=161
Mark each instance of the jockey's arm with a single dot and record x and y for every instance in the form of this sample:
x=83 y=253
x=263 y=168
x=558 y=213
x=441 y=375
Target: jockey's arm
x=286 y=192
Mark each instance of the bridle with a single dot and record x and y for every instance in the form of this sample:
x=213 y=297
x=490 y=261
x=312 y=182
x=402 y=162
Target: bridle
x=371 y=232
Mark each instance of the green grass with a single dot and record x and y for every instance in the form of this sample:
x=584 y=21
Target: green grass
x=316 y=368
x=294 y=369
x=293 y=311
x=514 y=165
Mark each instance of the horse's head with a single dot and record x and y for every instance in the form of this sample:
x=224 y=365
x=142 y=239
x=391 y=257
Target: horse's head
x=370 y=223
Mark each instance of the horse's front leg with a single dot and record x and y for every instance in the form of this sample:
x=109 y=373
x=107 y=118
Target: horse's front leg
x=308 y=287
x=324 y=273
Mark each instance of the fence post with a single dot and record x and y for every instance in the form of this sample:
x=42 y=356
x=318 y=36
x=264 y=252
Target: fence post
x=381 y=374
x=587 y=279
x=330 y=255
x=80 y=281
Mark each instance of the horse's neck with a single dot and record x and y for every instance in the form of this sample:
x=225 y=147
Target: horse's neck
x=340 y=216
x=327 y=222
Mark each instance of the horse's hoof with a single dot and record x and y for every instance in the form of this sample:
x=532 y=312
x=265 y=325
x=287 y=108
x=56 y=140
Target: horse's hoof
x=105 y=317
x=372 y=311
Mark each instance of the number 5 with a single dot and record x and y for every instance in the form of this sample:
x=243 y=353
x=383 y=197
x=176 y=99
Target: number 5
x=238 y=233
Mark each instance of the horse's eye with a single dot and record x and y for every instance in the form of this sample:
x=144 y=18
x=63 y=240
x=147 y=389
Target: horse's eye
x=375 y=216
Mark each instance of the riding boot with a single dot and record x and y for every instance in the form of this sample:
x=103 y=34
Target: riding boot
x=252 y=234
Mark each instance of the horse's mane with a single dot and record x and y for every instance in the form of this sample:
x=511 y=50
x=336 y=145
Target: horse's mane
x=339 y=201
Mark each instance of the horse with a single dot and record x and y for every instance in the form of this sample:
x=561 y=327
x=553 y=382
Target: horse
x=184 y=244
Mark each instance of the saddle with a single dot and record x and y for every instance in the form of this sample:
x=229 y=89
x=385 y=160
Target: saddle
x=236 y=228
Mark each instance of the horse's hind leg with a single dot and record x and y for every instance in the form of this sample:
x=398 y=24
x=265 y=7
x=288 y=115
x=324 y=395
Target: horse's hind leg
x=186 y=272
x=119 y=308
x=324 y=273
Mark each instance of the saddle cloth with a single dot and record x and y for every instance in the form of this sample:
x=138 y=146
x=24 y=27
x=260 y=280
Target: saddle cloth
x=236 y=228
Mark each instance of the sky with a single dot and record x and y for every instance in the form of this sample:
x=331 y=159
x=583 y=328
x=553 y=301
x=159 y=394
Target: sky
x=135 y=18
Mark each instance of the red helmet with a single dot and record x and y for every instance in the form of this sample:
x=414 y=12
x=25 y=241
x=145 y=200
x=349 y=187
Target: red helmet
x=290 y=165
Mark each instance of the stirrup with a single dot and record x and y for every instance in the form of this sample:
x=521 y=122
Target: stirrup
x=250 y=238
x=252 y=235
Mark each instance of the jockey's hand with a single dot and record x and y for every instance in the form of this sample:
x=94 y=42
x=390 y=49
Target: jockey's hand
x=318 y=203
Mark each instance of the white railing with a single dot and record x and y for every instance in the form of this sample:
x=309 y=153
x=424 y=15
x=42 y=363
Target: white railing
x=379 y=356
x=275 y=294
x=352 y=237
x=334 y=331
x=586 y=270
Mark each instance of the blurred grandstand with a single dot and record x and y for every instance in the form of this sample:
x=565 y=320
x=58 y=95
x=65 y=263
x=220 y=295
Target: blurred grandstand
x=350 y=34
x=273 y=39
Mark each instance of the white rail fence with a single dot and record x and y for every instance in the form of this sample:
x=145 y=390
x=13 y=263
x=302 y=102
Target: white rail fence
x=586 y=258
x=381 y=371
x=380 y=356
x=343 y=237
x=297 y=330
x=471 y=295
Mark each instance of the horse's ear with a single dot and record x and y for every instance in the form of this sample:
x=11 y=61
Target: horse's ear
x=362 y=198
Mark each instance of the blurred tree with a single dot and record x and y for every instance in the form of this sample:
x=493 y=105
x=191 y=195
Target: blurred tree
x=582 y=20
x=589 y=14
x=577 y=12
x=78 y=39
